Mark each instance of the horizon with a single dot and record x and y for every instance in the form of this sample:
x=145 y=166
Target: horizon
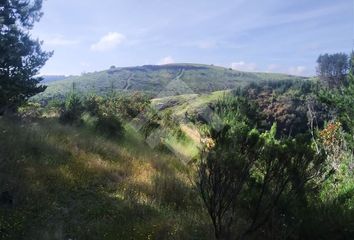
x=276 y=37
x=162 y=65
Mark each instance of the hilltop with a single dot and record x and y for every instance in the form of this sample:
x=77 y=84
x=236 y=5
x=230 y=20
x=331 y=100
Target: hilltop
x=160 y=80
x=52 y=78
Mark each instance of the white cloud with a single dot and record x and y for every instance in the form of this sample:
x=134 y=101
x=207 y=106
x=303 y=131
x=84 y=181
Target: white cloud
x=297 y=70
x=108 y=42
x=85 y=64
x=166 y=60
x=59 y=40
x=243 y=66
x=206 y=45
x=272 y=68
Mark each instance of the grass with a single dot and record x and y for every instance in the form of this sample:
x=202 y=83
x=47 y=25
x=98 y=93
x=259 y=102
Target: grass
x=181 y=104
x=69 y=183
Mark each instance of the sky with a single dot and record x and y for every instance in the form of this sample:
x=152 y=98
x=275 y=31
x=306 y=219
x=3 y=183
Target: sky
x=248 y=35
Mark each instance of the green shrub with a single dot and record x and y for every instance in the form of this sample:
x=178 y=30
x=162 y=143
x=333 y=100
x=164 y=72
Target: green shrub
x=109 y=125
x=72 y=111
x=93 y=112
x=89 y=121
x=93 y=104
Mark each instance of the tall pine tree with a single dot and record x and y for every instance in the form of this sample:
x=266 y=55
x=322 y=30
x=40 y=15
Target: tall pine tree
x=21 y=57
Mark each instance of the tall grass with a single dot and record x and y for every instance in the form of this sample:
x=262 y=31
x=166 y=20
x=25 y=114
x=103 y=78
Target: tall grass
x=64 y=182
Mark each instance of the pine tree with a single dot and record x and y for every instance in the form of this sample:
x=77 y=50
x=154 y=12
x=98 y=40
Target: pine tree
x=21 y=57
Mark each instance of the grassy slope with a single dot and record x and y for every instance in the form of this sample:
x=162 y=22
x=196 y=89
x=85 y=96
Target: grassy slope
x=172 y=79
x=69 y=183
x=181 y=104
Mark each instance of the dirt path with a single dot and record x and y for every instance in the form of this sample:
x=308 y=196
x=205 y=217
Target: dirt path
x=127 y=83
x=179 y=75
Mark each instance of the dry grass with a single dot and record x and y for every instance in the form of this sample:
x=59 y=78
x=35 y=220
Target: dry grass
x=66 y=182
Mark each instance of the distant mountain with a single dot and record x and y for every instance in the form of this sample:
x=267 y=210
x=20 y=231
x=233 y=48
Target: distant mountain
x=52 y=78
x=159 y=80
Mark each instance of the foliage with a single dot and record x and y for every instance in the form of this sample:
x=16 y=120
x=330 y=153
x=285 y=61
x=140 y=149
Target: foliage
x=21 y=56
x=293 y=105
x=247 y=175
x=150 y=122
x=332 y=141
x=109 y=125
x=30 y=111
x=340 y=101
x=158 y=80
x=332 y=69
x=93 y=112
x=247 y=178
x=72 y=110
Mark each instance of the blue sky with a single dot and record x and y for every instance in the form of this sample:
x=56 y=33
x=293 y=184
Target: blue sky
x=250 y=35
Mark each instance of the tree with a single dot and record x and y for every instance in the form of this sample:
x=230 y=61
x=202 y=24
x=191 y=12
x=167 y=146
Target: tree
x=222 y=174
x=332 y=69
x=341 y=101
x=351 y=63
x=21 y=57
x=72 y=109
x=249 y=177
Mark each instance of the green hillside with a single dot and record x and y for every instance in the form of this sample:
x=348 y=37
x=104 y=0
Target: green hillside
x=160 y=80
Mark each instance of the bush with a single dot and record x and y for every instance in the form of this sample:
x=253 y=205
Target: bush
x=72 y=110
x=30 y=111
x=248 y=178
x=89 y=121
x=92 y=104
x=94 y=112
x=109 y=125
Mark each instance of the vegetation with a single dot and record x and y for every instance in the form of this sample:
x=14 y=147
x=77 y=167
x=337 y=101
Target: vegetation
x=67 y=182
x=341 y=100
x=21 y=56
x=161 y=81
x=246 y=177
x=332 y=69
x=218 y=154
x=259 y=183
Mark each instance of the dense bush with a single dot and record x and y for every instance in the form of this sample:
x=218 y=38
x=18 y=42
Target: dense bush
x=248 y=178
x=94 y=112
x=109 y=125
x=72 y=110
x=293 y=105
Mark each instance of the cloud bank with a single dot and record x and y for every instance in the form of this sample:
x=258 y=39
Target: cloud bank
x=166 y=60
x=108 y=42
x=243 y=66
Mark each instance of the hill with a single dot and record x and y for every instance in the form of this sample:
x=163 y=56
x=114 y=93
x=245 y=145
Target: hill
x=160 y=80
x=52 y=78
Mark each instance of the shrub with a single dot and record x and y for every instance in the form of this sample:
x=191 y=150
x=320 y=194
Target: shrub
x=72 y=110
x=92 y=104
x=94 y=112
x=109 y=125
x=245 y=178
x=89 y=121
x=30 y=111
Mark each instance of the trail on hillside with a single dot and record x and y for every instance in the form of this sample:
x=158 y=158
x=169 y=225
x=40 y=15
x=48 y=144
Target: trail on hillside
x=179 y=75
x=127 y=83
